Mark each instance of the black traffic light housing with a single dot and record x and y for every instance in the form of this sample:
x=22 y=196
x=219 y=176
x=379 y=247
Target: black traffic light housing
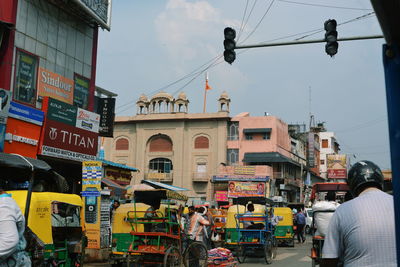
x=331 y=34
x=229 y=45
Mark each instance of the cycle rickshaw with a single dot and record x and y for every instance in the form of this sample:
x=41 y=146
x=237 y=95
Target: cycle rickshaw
x=155 y=236
x=318 y=240
x=258 y=241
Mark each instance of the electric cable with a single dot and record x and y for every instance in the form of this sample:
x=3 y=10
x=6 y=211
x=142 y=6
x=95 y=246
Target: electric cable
x=244 y=15
x=319 y=5
x=248 y=17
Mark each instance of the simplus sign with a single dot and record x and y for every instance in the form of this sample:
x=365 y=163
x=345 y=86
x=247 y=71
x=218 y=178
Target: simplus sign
x=87 y=120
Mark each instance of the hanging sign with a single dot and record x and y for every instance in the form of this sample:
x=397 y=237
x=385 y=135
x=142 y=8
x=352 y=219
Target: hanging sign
x=106 y=109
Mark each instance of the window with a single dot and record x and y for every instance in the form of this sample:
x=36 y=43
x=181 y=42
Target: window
x=201 y=142
x=232 y=156
x=201 y=167
x=325 y=143
x=160 y=165
x=160 y=143
x=233 y=131
x=267 y=136
x=122 y=144
x=25 y=78
x=248 y=136
x=322 y=162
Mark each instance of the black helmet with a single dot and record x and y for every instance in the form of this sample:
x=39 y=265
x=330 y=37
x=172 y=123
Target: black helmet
x=364 y=173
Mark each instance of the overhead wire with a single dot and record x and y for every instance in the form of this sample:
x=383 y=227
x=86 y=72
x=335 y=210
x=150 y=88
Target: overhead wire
x=244 y=15
x=248 y=17
x=319 y=5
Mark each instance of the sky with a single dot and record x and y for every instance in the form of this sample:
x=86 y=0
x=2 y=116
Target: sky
x=170 y=45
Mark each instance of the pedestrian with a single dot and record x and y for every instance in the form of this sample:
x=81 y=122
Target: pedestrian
x=362 y=231
x=196 y=227
x=114 y=207
x=12 y=226
x=300 y=223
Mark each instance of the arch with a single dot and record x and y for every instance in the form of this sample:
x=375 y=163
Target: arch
x=201 y=142
x=122 y=143
x=160 y=143
x=160 y=165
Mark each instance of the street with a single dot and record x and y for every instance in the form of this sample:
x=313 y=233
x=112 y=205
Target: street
x=287 y=256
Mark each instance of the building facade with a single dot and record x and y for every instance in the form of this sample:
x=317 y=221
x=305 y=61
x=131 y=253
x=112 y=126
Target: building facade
x=329 y=146
x=169 y=145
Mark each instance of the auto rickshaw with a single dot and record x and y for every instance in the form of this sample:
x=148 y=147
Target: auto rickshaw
x=54 y=227
x=284 y=232
x=231 y=234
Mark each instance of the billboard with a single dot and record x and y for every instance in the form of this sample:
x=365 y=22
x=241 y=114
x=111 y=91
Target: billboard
x=337 y=166
x=221 y=196
x=245 y=189
x=55 y=86
x=311 y=150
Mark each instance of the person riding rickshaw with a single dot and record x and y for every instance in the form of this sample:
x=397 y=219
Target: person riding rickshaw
x=54 y=227
x=148 y=231
x=325 y=198
x=254 y=229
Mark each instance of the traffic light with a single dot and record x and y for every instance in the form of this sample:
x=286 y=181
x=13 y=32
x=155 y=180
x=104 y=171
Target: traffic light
x=229 y=45
x=331 y=34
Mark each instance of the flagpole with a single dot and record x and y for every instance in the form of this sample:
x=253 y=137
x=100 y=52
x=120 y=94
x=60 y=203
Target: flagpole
x=205 y=94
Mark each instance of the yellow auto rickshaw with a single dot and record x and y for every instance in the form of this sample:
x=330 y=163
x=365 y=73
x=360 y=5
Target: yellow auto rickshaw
x=231 y=234
x=284 y=230
x=54 y=227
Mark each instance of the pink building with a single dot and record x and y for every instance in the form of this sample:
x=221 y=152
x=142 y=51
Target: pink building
x=262 y=146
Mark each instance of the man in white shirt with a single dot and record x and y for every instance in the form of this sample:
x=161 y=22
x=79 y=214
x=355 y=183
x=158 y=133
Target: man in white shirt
x=12 y=225
x=362 y=230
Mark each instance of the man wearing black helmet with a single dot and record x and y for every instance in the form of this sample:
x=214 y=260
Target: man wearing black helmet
x=362 y=230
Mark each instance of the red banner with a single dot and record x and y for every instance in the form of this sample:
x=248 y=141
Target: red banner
x=337 y=173
x=221 y=196
x=66 y=141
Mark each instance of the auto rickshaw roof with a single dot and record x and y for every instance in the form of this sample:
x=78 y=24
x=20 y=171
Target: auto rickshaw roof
x=254 y=200
x=19 y=167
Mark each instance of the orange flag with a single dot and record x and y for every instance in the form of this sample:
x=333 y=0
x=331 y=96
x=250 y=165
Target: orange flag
x=207 y=86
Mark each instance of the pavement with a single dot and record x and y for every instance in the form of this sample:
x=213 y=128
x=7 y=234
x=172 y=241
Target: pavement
x=298 y=256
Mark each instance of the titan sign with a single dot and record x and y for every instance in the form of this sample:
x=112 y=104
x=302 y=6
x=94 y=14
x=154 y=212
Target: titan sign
x=66 y=141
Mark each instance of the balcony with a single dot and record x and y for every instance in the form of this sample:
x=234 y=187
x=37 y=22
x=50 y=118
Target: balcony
x=159 y=176
x=200 y=177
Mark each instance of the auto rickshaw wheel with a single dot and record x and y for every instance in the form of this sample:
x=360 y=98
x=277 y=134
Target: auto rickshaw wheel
x=241 y=253
x=172 y=257
x=268 y=251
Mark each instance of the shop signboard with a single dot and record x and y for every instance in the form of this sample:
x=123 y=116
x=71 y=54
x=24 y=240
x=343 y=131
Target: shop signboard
x=81 y=92
x=221 y=196
x=65 y=141
x=5 y=99
x=2 y=135
x=247 y=170
x=55 y=86
x=61 y=112
x=87 y=120
x=121 y=177
x=22 y=137
x=92 y=173
x=99 y=10
x=106 y=109
x=244 y=178
x=245 y=189
x=25 y=113
x=25 y=78
x=337 y=166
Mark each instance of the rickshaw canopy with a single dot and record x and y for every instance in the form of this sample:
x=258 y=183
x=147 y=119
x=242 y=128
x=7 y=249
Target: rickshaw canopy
x=154 y=197
x=326 y=187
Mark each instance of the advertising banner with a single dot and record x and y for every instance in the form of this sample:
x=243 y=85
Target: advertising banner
x=92 y=172
x=25 y=113
x=5 y=99
x=25 y=82
x=55 y=86
x=245 y=189
x=106 y=109
x=247 y=170
x=62 y=112
x=22 y=138
x=81 y=92
x=221 y=196
x=247 y=178
x=99 y=10
x=66 y=141
x=121 y=177
x=87 y=120
x=337 y=166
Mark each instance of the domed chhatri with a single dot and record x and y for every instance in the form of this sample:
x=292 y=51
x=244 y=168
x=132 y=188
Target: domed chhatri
x=164 y=102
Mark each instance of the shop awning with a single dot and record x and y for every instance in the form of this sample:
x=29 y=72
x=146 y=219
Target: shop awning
x=256 y=130
x=158 y=185
x=267 y=157
x=118 y=165
x=112 y=184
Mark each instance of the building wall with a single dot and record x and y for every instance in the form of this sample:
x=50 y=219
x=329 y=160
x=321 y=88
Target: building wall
x=184 y=156
x=330 y=136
